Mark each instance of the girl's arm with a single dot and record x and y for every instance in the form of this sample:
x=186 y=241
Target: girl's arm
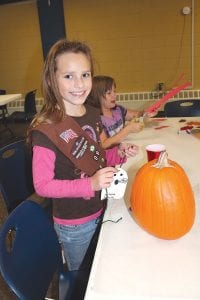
x=118 y=154
x=130 y=114
x=114 y=156
x=108 y=142
x=116 y=139
x=45 y=184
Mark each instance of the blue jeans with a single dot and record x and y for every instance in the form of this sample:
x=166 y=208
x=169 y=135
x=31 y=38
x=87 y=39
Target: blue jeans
x=75 y=240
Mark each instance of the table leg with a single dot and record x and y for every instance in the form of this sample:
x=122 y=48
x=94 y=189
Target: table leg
x=4 y=119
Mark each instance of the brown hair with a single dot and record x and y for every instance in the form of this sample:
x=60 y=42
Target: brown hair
x=100 y=86
x=53 y=109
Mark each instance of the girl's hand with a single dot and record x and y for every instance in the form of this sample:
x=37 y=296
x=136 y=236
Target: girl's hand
x=150 y=114
x=127 y=149
x=134 y=127
x=102 y=178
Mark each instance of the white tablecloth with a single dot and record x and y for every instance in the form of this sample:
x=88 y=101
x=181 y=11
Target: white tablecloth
x=129 y=262
x=7 y=98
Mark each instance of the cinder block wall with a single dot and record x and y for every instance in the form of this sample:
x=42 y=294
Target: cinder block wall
x=139 y=43
x=20 y=48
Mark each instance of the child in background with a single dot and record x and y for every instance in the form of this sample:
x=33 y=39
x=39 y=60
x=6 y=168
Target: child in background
x=69 y=165
x=113 y=116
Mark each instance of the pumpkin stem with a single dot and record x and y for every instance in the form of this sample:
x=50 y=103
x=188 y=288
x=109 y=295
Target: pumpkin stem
x=162 y=161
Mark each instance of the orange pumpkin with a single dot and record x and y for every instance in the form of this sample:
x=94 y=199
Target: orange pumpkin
x=162 y=199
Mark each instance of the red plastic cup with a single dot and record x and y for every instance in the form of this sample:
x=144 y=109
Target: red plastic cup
x=154 y=150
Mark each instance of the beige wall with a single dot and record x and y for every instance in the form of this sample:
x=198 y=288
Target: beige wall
x=139 y=43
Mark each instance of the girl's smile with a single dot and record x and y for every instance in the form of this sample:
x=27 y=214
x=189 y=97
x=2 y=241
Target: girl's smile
x=74 y=80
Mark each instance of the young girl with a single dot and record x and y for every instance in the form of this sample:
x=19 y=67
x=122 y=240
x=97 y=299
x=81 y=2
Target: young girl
x=113 y=116
x=69 y=165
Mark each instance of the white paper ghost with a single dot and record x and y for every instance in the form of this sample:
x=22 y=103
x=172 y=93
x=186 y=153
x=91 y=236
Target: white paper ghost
x=118 y=186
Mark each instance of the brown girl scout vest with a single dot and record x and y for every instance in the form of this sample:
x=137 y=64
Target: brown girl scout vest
x=86 y=154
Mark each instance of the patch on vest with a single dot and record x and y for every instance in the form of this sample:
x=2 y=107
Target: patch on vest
x=68 y=135
x=79 y=147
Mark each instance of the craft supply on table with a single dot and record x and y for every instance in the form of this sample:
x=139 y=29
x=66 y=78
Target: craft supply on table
x=161 y=127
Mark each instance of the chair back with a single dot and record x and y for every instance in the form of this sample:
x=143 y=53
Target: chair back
x=16 y=183
x=30 y=252
x=30 y=105
x=182 y=108
x=2 y=92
